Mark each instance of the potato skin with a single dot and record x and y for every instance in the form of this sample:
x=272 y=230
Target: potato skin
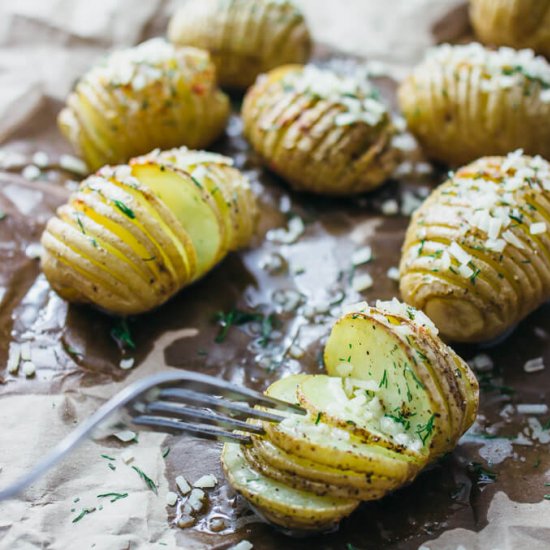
x=515 y=23
x=153 y=95
x=464 y=102
x=496 y=210
x=292 y=121
x=118 y=246
x=244 y=37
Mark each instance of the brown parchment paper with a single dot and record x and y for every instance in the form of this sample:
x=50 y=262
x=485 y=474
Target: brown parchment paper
x=44 y=46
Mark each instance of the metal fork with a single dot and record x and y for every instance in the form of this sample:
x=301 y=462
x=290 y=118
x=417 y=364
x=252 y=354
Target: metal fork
x=167 y=402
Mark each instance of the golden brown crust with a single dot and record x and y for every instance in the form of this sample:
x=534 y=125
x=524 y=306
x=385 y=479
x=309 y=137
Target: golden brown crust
x=244 y=37
x=516 y=23
x=497 y=212
x=464 y=102
x=316 y=135
x=153 y=95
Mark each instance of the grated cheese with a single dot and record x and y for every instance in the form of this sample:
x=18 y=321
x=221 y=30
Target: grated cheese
x=362 y=282
x=534 y=365
x=171 y=498
x=459 y=253
x=537 y=228
x=207 y=481
x=393 y=273
x=362 y=256
x=390 y=207
x=183 y=485
x=532 y=408
x=31 y=172
x=28 y=368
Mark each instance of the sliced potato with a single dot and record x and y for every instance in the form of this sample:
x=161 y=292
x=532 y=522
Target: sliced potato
x=193 y=207
x=278 y=498
x=134 y=235
x=151 y=95
x=305 y=484
x=422 y=384
x=309 y=469
x=331 y=446
x=405 y=392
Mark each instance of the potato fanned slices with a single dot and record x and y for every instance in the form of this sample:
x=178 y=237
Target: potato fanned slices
x=133 y=235
x=152 y=95
x=516 y=23
x=476 y=256
x=465 y=102
x=322 y=132
x=395 y=398
x=244 y=37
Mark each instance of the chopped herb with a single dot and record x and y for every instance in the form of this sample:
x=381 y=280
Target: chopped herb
x=196 y=182
x=83 y=513
x=165 y=452
x=546 y=497
x=122 y=336
x=546 y=425
x=3 y=215
x=400 y=418
x=237 y=317
x=421 y=247
x=483 y=475
x=474 y=275
x=415 y=378
x=421 y=355
x=148 y=481
x=384 y=381
x=80 y=224
x=425 y=431
x=112 y=466
x=318 y=418
x=108 y=457
x=115 y=496
x=124 y=209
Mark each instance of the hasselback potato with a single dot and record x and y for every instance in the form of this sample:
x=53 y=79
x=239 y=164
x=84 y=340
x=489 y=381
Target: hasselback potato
x=395 y=398
x=244 y=37
x=516 y=23
x=133 y=235
x=322 y=132
x=465 y=102
x=152 y=95
x=476 y=256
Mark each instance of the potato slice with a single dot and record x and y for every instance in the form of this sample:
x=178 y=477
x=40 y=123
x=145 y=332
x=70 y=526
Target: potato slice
x=278 y=498
x=331 y=446
x=357 y=482
x=406 y=390
x=191 y=204
x=304 y=484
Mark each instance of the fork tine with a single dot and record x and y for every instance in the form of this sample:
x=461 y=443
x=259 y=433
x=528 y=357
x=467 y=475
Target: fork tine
x=238 y=409
x=207 y=432
x=234 y=391
x=204 y=415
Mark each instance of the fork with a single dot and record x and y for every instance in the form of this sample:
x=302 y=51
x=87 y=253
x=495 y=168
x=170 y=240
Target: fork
x=206 y=407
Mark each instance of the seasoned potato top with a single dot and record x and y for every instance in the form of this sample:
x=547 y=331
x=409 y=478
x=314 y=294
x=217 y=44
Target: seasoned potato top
x=476 y=256
x=502 y=68
x=154 y=63
x=358 y=99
